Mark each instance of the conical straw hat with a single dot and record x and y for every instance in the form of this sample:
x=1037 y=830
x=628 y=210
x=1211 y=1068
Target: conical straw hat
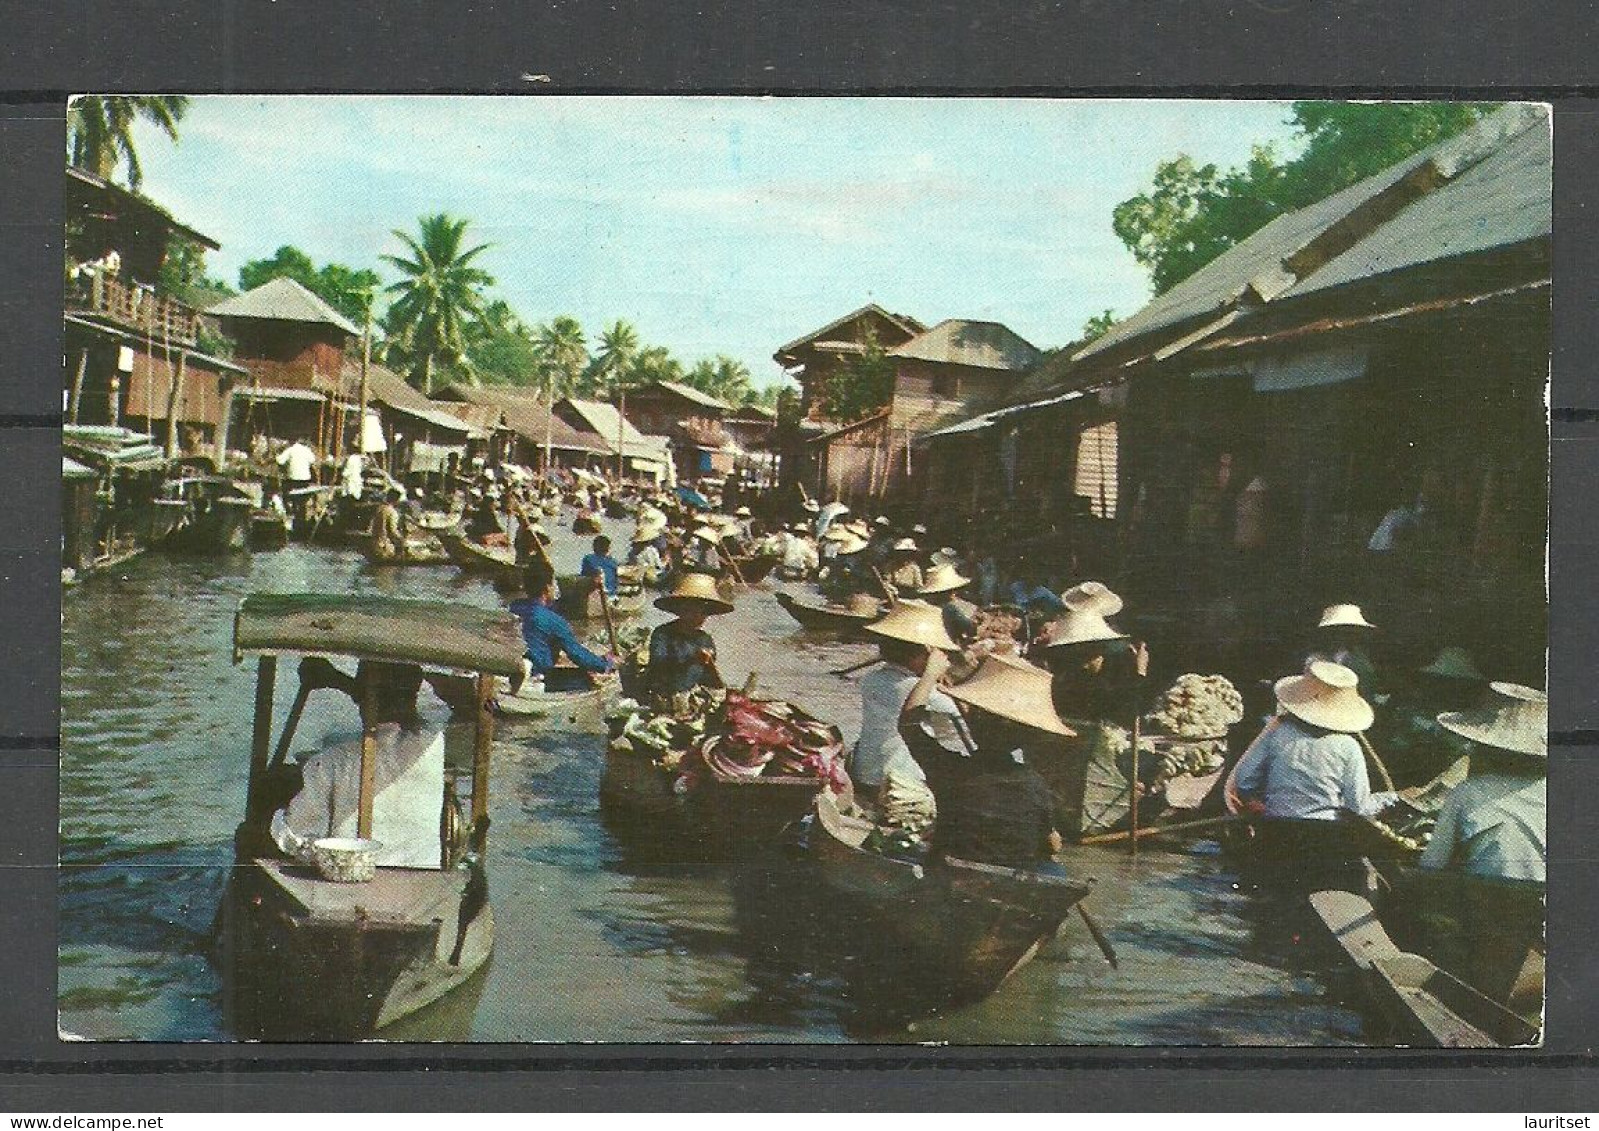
x=649 y=529
x=915 y=622
x=1079 y=626
x=1344 y=616
x=942 y=578
x=1013 y=689
x=1515 y=718
x=905 y=545
x=694 y=590
x=708 y=534
x=1325 y=696
x=850 y=543
x=1092 y=597
x=1454 y=663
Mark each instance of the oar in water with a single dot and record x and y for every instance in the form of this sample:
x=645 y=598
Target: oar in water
x=853 y=668
x=1099 y=936
x=605 y=607
x=1155 y=830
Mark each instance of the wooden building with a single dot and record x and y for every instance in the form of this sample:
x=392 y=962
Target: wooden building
x=1349 y=405
x=643 y=457
x=940 y=375
x=133 y=352
x=813 y=359
x=525 y=429
x=691 y=420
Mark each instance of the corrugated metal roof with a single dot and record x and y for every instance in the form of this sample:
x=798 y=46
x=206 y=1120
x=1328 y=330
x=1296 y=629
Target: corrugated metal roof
x=605 y=420
x=1504 y=199
x=1260 y=261
x=283 y=300
x=988 y=419
x=904 y=322
x=276 y=393
x=962 y=341
x=687 y=392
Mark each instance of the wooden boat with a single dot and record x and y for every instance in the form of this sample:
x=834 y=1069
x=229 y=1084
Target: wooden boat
x=303 y=957
x=755 y=568
x=269 y=530
x=721 y=818
x=586 y=523
x=415 y=554
x=498 y=562
x=566 y=695
x=581 y=601
x=826 y=618
x=435 y=521
x=1423 y=1004
x=958 y=925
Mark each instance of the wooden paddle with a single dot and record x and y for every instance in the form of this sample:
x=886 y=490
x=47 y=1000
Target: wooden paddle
x=853 y=668
x=1382 y=770
x=605 y=608
x=1155 y=830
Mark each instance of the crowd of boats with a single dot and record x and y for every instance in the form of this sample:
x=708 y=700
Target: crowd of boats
x=336 y=924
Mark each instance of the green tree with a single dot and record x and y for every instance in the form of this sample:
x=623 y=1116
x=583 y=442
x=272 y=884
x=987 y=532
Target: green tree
x=563 y=355
x=349 y=290
x=100 y=130
x=611 y=367
x=1192 y=213
x=439 y=296
x=501 y=347
x=183 y=274
x=655 y=363
x=1097 y=326
x=860 y=386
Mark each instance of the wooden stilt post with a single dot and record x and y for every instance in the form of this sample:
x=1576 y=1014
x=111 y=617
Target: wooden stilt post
x=369 y=761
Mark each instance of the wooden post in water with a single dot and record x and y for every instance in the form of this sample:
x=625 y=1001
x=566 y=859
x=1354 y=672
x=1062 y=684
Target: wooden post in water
x=369 y=760
x=266 y=672
x=77 y=386
x=482 y=743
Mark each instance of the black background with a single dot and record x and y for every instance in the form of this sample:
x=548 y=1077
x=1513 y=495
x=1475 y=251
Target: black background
x=1283 y=48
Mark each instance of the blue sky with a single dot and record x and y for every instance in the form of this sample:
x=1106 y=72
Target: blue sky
x=715 y=225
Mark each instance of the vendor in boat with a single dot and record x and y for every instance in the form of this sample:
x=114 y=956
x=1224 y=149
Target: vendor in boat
x=1344 y=636
x=547 y=633
x=409 y=778
x=482 y=516
x=915 y=652
x=1002 y=812
x=1304 y=772
x=941 y=588
x=1483 y=871
x=1028 y=592
x=682 y=653
x=388 y=536
x=599 y=567
x=800 y=557
x=532 y=541
x=646 y=554
x=903 y=572
x=1414 y=744
x=703 y=554
x=847 y=574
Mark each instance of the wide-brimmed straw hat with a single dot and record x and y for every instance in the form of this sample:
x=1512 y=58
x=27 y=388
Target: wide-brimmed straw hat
x=942 y=578
x=1515 y=718
x=1080 y=626
x=915 y=622
x=881 y=520
x=905 y=546
x=708 y=534
x=649 y=529
x=946 y=555
x=1454 y=662
x=1013 y=689
x=694 y=591
x=1326 y=696
x=847 y=541
x=1092 y=597
x=742 y=512
x=811 y=505
x=1344 y=616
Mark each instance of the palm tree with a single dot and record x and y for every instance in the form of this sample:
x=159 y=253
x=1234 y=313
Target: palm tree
x=618 y=347
x=564 y=351
x=440 y=296
x=100 y=129
x=730 y=379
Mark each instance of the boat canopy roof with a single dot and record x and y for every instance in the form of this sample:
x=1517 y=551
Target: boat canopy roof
x=439 y=634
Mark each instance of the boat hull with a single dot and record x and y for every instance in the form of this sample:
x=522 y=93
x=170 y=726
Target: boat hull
x=475 y=558
x=303 y=967
x=826 y=618
x=962 y=927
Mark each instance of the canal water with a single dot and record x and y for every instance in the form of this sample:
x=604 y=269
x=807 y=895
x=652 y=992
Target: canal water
x=598 y=937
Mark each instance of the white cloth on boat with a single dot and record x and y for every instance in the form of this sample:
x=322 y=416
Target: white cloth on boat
x=350 y=476
x=406 y=808
x=881 y=750
x=1302 y=775
x=1493 y=825
x=799 y=554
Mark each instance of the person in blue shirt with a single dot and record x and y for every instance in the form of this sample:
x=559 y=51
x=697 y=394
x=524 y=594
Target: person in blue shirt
x=546 y=632
x=600 y=563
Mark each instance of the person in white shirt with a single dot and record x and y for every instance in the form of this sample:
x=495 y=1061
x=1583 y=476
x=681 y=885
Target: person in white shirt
x=408 y=802
x=915 y=651
x=350 y=475
x=800 y=557
x=297 y=460
x=1304 y=771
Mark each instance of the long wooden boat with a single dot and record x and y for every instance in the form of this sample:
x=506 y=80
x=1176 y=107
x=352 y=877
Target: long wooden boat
x=416 y=554
x=720 y=818
x=474 y=557
x=568 y=699
x=958 y=925
x=269 y=530
x=1423 y=1004
x=306 y=958
x=826 y=618
x=755 y=568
